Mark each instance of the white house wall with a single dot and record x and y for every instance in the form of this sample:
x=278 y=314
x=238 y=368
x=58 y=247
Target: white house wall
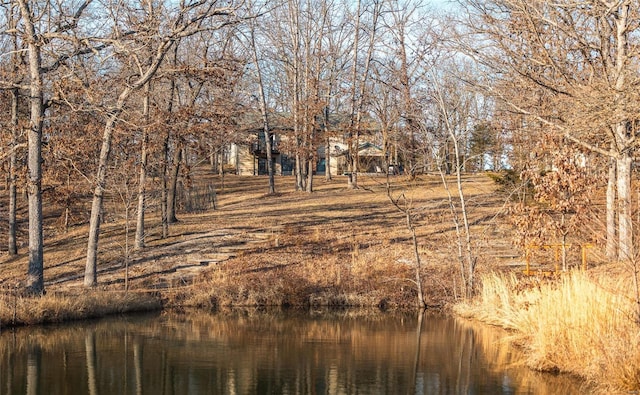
x=241 y=157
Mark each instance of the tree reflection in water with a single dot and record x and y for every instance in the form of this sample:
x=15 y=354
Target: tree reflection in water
x=90 y=349
x=34 y=360
x=260 y=353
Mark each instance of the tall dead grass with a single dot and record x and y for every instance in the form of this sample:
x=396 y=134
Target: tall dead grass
x=18 y=310
x=575 y=324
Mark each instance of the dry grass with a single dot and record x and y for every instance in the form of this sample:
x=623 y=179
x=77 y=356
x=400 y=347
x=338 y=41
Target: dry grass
x=20 y=310
x=576 y=324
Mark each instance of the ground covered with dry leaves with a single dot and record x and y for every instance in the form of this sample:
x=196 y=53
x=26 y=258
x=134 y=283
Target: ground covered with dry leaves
x=333 y=247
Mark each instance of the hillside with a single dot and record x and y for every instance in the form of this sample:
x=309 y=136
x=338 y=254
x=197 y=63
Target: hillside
x=261 y=249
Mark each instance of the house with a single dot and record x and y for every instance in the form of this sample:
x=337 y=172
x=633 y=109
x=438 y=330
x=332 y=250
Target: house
x=249 y=156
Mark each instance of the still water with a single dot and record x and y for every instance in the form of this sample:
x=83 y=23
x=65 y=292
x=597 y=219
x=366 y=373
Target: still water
x=350 y=352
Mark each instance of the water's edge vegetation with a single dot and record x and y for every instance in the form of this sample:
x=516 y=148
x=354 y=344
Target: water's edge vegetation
x=57 y=307
x=580 y=324
x=576 y=324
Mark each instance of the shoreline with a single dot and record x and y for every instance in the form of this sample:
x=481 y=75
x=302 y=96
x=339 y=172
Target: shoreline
x=66 y=307
x=498 y=305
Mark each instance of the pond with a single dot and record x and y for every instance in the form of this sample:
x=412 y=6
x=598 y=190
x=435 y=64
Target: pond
x=253 y=352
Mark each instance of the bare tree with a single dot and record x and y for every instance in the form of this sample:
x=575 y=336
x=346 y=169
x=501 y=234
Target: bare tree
x=35 y=276
x=167 y=214
x=262 y=99
x=144 y=162
x=336 y=64
x=52 y=36
x=411 y=48
x=299 y=86
x=12 y=19
x=359 y=80
x=183 y=21
x=452 y=103
x=123 y=181
x=305 y=35
x=405 y=206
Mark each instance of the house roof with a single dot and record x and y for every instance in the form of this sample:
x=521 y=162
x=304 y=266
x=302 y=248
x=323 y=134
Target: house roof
x=369 y=149
x=364 y=149
x=252 y=121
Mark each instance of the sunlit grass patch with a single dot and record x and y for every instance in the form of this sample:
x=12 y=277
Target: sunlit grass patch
x=574 y=324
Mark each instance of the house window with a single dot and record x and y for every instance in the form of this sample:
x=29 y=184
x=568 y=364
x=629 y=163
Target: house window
x=321 y=167
x=262 y=166
x=287 y=165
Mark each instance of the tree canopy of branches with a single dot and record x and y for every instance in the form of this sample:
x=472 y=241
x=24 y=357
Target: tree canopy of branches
x=570 y=67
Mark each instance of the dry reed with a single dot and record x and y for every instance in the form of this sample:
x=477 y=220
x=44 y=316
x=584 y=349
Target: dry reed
x=573 y=325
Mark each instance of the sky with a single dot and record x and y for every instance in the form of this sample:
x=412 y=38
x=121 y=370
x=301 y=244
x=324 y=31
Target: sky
x=444 y=4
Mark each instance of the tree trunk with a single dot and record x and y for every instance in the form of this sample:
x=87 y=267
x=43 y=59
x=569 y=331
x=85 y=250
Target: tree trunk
x=90 y=274
x=268 y=148
x=418 y=265
x=327 y=159
x=406 y=210
x=165 y=150
x=90 y=271
x=357 y=100
x=35 y=279
x=353 y=146
x=263 y=112
x=221 y=169
x=67 y=202
x=456 y=224
x=13 y=156
x=142 y=185
x=356 y=158
x=611 y=246
x=35 y=274
x=126 y=244
x=625 y=226
x=294 y=27
x=164 y=192
x=418 y=269
x=173 y=185
x=299 y=171
x=624 y=160
x=13 y=179
x=309 y=186
x=471 y=261
x=465 y=253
